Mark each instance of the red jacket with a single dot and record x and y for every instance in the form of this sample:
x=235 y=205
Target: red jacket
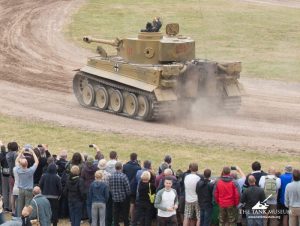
x=226 y=192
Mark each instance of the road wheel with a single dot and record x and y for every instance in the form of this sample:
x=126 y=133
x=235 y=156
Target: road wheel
x=143 y=107
x=131 y=105
x=88 y=95
x=116 y=101
x=102 y=97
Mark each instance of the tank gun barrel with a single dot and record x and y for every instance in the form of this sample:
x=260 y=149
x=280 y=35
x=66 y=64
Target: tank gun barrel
x=89 y=39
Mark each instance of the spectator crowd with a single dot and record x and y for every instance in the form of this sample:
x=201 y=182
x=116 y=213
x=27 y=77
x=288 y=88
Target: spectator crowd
x=38 y=188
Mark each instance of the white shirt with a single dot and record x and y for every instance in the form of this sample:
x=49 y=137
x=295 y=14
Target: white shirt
x=271 y=200
x=167 y=201
x=190 y=182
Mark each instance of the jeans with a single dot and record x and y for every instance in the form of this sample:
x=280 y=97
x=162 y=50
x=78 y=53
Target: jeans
x=98 y=213
x=24 y=198
x=5 y=192
x=205 y=216
x=75 y=208
x=121 y=208
x=2 y=218
x=254 y=219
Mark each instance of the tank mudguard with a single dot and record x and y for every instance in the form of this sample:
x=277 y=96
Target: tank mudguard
x=119 y=78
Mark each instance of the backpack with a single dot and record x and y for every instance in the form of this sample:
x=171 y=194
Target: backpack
x=270 y=187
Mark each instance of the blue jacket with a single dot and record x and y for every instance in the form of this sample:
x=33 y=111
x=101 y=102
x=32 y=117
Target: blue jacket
x=98 y=192
x=130 y=169
x=44 y=210
x=285 y=180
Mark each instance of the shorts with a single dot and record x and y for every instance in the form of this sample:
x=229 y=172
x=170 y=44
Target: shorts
x=192 y=210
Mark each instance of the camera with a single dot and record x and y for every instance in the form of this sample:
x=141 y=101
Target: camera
x=91 y=146
x=233 y=167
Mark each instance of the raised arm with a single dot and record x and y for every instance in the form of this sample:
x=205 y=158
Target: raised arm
x=240 y=171
x=18 y=157
x=36 y=160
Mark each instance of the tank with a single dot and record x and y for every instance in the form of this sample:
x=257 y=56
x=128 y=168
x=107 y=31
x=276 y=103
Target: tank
x=155 y=76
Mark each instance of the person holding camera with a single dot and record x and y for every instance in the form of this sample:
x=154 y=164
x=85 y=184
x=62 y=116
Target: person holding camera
x=25 y=175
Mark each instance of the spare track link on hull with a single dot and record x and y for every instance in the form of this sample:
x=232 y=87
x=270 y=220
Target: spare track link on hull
x=157 y=110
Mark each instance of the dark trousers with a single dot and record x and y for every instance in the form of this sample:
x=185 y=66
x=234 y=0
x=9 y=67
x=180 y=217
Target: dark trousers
x=109 y=210
x=63 y=207
x=143 y=214
x=54 y=203
x=167 y=221
x=205 y=216
x=75 y=209
x=123 y=209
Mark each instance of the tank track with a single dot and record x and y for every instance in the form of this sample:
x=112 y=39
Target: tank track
x=158 y=110
x=231 y=105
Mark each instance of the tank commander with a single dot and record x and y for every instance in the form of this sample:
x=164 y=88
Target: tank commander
x=154 y=26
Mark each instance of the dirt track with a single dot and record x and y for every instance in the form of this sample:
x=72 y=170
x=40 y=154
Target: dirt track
x=36 y=75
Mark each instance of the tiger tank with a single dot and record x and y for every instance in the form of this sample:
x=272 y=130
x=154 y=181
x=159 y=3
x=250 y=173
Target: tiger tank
x=155 y=76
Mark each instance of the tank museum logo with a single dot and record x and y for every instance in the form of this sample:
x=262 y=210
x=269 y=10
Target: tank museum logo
x=260 y=210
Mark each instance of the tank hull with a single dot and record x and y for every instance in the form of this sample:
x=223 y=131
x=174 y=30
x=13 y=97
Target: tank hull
x=152 y=92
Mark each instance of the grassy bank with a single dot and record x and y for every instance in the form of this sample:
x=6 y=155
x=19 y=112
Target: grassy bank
x=265 y=38
x=74 y=140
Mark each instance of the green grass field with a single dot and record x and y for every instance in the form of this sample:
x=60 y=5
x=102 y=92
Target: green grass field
x=74 y=140
x=265 y=38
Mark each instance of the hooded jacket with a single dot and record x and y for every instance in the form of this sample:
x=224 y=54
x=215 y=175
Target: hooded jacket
x=226 y=192
x=98 y=192
x=110 y=166
x=74 y=189
x=204 y=190
x=88 y=174
x=50 y=183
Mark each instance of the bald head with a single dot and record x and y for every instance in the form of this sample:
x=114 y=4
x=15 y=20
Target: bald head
x=272 y=171
x=36 y=190
x=23 y=163
x=63 y=154
x=251 y=180
x=26 y=211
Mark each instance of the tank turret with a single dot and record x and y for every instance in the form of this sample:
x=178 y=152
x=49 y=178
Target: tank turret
x=151 y=48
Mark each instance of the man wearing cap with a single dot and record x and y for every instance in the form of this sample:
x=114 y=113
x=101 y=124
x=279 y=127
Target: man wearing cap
x=285 y=179
x=25 y=175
